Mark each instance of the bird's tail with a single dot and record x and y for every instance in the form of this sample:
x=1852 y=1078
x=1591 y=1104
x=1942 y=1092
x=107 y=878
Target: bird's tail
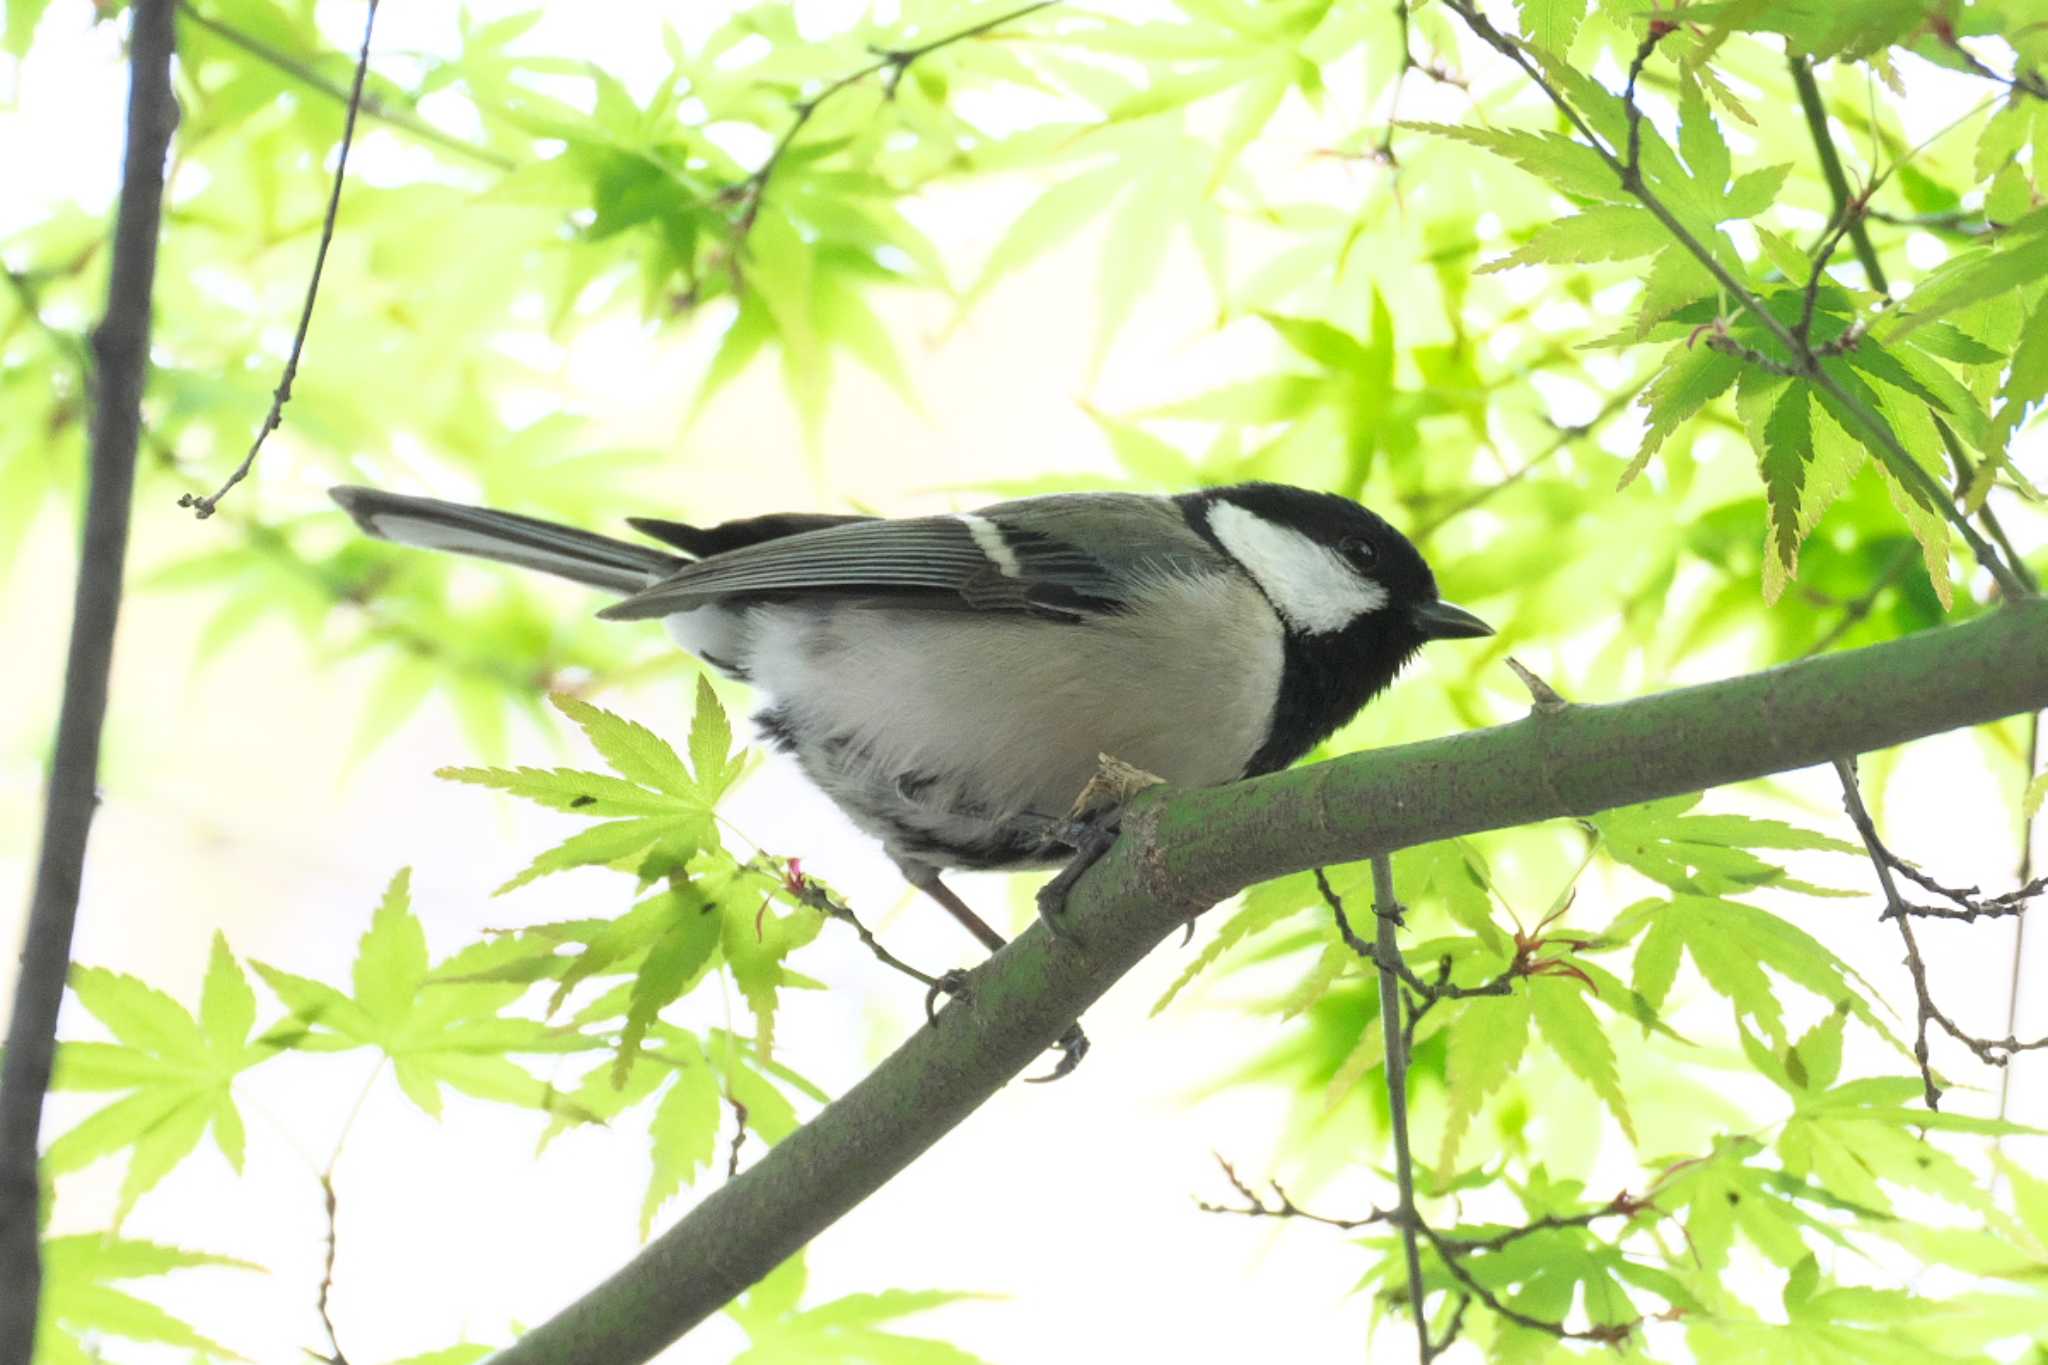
x=508 y=538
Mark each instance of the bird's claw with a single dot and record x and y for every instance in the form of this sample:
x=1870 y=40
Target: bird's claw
x=1072 y=1047
x=952 y=984
x=1090 y=839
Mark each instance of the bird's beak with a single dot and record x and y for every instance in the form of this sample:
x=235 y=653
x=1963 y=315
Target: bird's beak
x=1442 y=621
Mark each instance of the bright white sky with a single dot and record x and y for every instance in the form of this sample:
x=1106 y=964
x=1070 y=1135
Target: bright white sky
x=234 y=800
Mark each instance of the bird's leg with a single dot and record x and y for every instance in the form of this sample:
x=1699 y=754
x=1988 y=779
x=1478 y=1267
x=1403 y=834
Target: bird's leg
x=1090 y=837
x=1071 y=1045
x=926 y=879
x=1090 y=829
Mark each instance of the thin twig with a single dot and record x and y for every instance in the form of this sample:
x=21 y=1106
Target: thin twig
x=1610 y=1333
x=121 y=352
x=1283 y=1207
x=813 y=893
x=1811 y=370
x=1384 y=151
x=739 y=1133
x=747 y=196
x=377 y=109
x=1441 y=989
x=325 y=1176
x=1831 y=167
x=334 y=1353
x=1990 y=1051
x=2019 y=924
x=1387 y=912
x=204 y=507
x=1966 y=477
x=1452 y=1251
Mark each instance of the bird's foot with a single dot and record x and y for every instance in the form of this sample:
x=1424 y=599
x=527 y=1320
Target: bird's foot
x=1090 y=829
x=1090 y=839
x=952 y=985
x=1072 y=1047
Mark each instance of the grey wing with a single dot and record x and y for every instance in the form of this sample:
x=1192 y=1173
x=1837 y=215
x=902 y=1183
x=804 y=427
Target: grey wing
x=973 y=561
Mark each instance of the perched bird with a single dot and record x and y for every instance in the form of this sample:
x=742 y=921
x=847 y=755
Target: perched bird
x=951 y=681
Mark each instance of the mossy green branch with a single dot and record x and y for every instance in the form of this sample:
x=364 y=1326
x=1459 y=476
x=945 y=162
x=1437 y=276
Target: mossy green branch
x=1183 y=851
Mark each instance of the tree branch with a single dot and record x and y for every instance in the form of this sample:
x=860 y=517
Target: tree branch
x=1807 y=358
x=203 y=508
x=121 y=352
x=1831 y=167
x=1182 y=851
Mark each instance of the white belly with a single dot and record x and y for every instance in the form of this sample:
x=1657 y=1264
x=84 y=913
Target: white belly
x=932 y=722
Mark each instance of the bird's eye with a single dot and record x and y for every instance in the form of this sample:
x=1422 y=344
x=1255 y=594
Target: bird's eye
x=1362 y=553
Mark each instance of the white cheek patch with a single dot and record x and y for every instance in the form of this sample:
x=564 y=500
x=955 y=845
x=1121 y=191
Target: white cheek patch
x=988 y=538
x=1310 y=585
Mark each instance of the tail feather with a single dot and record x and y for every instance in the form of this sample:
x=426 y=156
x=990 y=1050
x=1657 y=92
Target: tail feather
x=507 y=537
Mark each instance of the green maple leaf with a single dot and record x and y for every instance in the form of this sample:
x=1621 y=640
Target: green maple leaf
x=439 y=1025
x=178 y=1070
x=1707 y=854
x=849 y=1329
x=80 y=1304
x=656 y=813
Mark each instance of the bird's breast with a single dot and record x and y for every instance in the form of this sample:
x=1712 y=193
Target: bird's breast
x=914 y=718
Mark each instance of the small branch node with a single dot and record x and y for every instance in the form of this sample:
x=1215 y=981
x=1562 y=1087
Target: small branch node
x=1544 y=699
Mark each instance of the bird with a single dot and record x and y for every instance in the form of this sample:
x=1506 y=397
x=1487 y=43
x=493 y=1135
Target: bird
x=951 y=682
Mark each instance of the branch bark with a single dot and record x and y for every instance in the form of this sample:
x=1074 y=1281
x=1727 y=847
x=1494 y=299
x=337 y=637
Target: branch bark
x=121 y=353
x=1182 y=851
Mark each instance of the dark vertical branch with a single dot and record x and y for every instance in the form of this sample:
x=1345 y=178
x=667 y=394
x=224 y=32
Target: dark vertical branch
x=1387 y=911
x=1846 y=210
x=121 y=354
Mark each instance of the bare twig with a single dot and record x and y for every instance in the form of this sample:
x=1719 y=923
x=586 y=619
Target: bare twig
x=891 y=64
x=121 y=351
x=204 y=507
x=739 y=1133
x=1966 y=477
x=1990 y=1051
x=1435 y=70
x=1451 y=1251
x=312 y=79
x=1804 y=357
x=1387 y=912
x=813 y=893
x=1848 y=208
x=1432 y=991
x=2019 y=924
x=1609 y=1333
x=1284 y=1207
x=334 y=1353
